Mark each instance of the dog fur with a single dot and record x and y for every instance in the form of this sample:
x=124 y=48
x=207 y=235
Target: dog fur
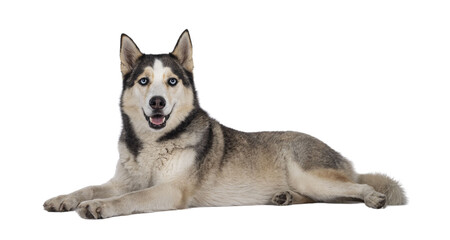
x=174 y=156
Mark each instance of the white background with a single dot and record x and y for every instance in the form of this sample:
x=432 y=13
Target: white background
x=369 y=78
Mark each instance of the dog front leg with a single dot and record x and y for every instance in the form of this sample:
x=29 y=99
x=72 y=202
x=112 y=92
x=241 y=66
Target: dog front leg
x=69 y=202
x=157 y=198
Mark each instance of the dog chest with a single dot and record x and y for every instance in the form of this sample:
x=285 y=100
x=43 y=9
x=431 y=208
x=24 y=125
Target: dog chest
x=174 y=165
x=158 y=164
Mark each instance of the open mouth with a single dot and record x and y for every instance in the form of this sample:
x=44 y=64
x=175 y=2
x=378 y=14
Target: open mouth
x=157 y=120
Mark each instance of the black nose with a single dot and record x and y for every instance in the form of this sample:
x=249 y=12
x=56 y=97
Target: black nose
x=157 y=102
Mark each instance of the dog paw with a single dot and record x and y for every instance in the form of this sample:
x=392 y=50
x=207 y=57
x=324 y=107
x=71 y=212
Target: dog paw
x=375 y=200
x=282 y=198
x=93 y=209
x=62 y=203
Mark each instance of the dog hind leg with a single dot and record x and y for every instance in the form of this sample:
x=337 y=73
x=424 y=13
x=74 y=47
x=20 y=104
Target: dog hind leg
x=323 y=186
x=289 y=197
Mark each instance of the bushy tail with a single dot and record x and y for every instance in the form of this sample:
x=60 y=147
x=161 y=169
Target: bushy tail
x=395 y=195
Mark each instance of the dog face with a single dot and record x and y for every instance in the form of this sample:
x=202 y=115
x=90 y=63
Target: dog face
x=158 y=90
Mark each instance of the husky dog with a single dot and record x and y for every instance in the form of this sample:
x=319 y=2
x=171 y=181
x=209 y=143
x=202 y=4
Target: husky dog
x=174 y=156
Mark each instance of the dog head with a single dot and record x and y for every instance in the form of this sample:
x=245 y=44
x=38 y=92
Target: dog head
x=158 y=90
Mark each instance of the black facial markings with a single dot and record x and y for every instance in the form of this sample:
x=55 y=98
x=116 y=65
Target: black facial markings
x=129 y=79
x=171 y=61
x=125 y=81
x=168 y=60
x=128 y=136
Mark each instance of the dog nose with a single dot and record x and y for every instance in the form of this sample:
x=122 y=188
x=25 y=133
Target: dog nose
x=157 y=102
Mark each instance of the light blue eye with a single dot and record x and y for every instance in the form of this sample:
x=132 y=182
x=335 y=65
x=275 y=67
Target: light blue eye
x=143 y=81
x=172 y=81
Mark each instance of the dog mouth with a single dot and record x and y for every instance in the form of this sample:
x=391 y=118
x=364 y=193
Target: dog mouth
x=157 y=120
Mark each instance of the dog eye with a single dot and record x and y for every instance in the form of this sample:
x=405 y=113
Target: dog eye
x=143 y=81
x=172 y=81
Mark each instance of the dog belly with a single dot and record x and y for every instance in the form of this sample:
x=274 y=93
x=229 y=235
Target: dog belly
x=232 y=193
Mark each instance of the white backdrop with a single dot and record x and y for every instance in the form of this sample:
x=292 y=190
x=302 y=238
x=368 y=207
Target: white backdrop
x=370 y=78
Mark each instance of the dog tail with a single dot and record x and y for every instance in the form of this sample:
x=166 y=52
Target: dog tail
x=395 y=195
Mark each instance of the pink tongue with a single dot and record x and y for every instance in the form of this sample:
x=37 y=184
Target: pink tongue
x=157 y=120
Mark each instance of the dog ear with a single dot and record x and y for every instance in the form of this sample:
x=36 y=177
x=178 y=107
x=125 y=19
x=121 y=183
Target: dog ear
x=183 y=51
x=129 y=54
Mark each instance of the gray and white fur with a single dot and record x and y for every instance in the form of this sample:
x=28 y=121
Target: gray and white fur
x=174 y=156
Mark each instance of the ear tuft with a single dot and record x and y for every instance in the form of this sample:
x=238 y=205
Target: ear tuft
x=183 y=51
x=129 y=54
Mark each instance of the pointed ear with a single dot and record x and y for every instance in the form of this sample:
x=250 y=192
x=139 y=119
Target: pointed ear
x=183 y=51
x=129 y=54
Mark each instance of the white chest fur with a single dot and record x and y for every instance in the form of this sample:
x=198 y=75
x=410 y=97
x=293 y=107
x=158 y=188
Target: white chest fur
x=156 y=164
x=173 y=166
